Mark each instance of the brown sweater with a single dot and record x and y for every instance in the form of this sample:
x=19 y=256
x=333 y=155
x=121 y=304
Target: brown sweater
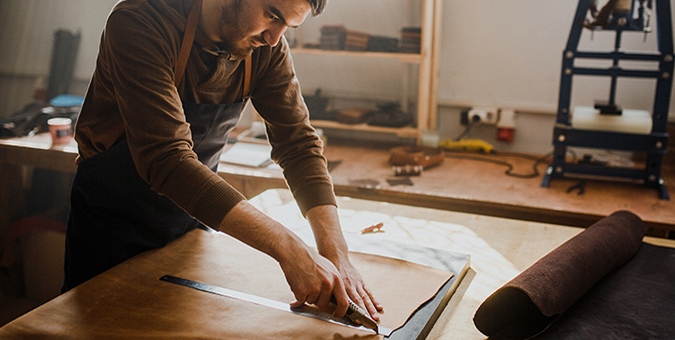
x=132 y=96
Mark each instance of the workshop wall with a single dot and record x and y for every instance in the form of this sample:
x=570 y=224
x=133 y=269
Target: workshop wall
x=27 y=30
x=499 y=53
x=509 y=54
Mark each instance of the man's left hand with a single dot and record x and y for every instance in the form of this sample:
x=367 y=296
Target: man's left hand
x=332 y=245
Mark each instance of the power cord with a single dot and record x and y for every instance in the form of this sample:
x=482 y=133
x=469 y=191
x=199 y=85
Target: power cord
x=467 y=129
x=509 y=167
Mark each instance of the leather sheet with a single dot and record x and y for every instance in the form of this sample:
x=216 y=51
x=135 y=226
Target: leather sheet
x=129 y=301
x=637 y=301
x=530 y=302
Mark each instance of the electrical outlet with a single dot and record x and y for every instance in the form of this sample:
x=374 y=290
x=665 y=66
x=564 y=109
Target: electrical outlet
x=484 y=115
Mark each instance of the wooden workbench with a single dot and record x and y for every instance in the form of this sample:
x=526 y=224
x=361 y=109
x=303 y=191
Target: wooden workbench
x=467 y=185
x=499 y=249
x=462 y=185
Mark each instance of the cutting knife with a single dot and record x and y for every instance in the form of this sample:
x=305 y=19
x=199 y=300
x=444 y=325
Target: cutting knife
x=358 y=315
x=355 y=314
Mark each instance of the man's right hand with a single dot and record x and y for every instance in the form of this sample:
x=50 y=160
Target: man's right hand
x=316 y=281
x=313 y=279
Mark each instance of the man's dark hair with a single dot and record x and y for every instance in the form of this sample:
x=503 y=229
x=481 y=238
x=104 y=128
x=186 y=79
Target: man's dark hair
x=317 y=6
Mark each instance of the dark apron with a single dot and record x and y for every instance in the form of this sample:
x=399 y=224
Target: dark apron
x=114 y=212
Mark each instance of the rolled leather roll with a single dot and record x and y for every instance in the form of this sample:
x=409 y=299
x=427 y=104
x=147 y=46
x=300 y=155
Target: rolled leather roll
x=530 y=302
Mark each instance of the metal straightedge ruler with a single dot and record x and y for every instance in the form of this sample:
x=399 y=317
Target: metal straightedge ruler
x=262 y=301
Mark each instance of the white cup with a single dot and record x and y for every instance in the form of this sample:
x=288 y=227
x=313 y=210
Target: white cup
x=61 y=130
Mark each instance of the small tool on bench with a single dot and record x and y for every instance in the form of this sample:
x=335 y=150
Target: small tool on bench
x=375 y=228
x=580 y=187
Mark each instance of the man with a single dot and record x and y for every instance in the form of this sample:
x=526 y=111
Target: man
x=171 y=79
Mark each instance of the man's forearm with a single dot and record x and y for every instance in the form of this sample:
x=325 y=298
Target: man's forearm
x=328 y=235
x=332 y=245
x=249 y=225
x=313 y=278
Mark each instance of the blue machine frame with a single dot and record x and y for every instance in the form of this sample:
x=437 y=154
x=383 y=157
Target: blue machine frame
x=653 y=144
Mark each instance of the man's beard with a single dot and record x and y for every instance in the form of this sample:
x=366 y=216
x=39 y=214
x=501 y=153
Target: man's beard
x=236 y=43
x=236 y=52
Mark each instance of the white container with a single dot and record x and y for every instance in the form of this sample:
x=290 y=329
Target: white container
x=61 y=130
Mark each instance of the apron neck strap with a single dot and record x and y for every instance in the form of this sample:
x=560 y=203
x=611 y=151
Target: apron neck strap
x=188 y=39
x=186 y=46
x=247 y=77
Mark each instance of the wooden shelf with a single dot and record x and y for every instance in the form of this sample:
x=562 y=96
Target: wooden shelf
x=423 y=80
x=403 y=132
x=411 y=58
